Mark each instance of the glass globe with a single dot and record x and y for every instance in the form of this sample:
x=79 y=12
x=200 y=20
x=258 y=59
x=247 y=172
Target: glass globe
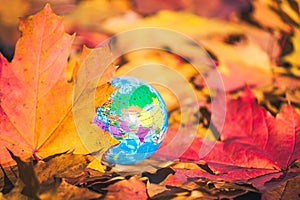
x=136 y=115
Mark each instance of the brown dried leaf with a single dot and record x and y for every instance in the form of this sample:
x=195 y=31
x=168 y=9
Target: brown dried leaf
x=68 y=191
x=127 y=189
x=155 y=189
x=286 y=191
x=63 y=166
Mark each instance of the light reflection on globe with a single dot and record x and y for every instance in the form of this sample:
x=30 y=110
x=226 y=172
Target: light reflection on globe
x=135 y=115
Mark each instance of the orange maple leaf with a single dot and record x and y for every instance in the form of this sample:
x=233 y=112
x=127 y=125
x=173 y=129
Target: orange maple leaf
x=36 y=99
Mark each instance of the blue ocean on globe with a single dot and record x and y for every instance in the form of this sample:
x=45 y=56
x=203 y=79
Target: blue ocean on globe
x=136 y=115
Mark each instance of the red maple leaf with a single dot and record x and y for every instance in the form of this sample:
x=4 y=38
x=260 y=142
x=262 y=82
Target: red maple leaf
x=255 y=147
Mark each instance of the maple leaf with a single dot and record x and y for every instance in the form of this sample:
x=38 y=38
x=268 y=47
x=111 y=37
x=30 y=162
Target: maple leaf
x=36 y=98
x=255 y=146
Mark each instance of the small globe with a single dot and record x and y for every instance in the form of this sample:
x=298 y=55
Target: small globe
x=134 y=114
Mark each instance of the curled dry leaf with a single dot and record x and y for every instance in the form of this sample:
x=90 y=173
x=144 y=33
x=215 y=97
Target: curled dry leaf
x=28 y=183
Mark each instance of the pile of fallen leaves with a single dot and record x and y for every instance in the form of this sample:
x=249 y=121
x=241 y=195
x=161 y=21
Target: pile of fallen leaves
x=256 y=51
